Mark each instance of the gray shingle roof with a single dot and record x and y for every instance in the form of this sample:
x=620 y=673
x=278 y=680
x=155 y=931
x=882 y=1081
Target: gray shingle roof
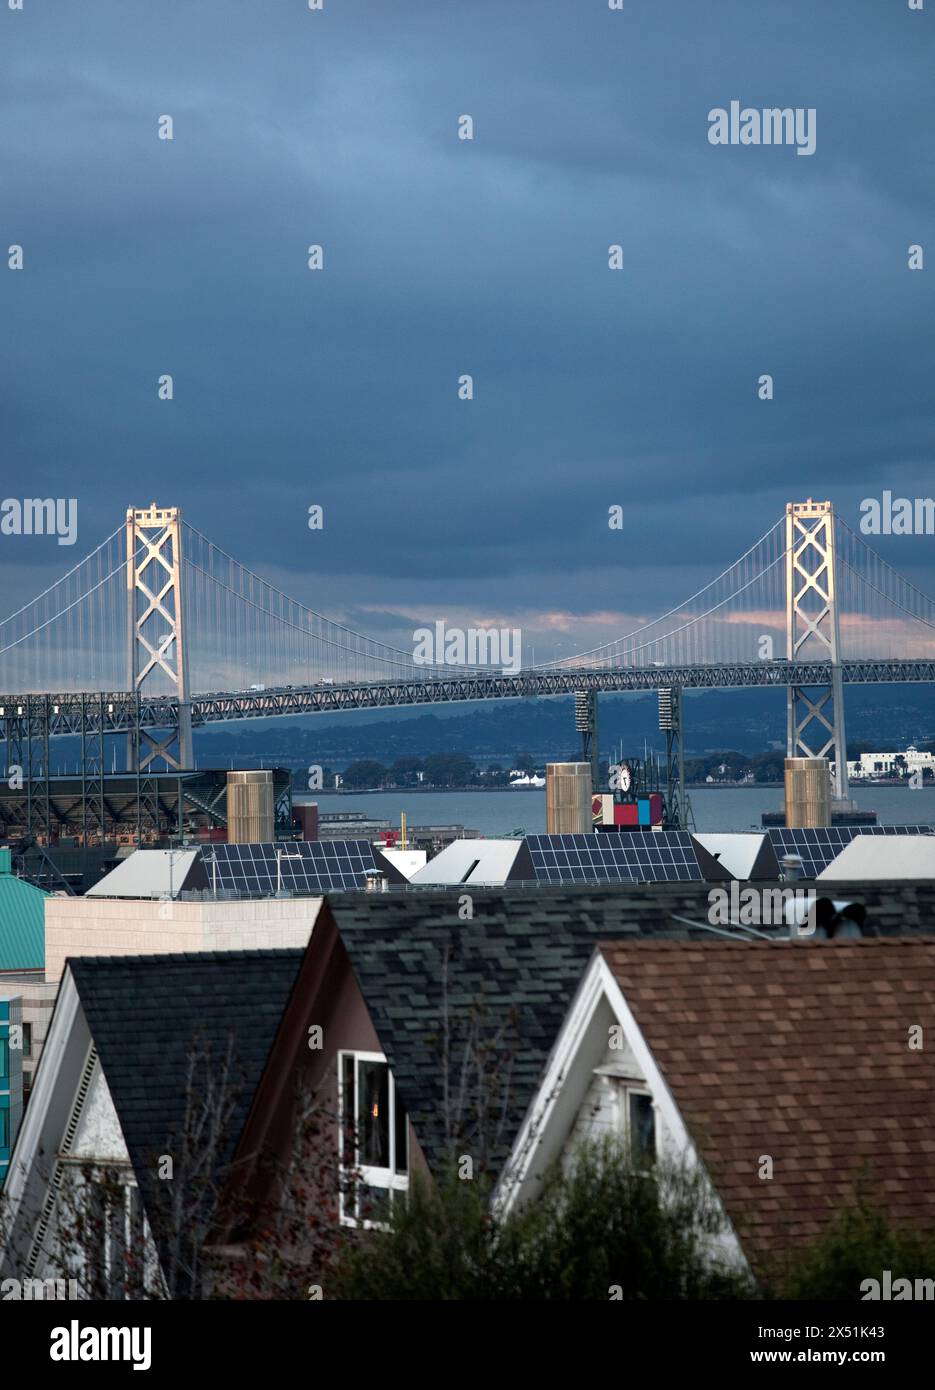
x=523 y=953
x=144 y=1013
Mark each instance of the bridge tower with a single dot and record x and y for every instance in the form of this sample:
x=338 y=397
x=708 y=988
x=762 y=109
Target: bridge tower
x=156 y=630
x=815 y=717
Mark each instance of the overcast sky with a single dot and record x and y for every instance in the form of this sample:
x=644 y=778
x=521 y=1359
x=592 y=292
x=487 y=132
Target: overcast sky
x=445 y=256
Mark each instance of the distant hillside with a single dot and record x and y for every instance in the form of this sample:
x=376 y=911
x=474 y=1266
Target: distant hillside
x=749 y=721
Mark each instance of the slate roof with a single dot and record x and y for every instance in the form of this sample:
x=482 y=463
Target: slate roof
x=799 y=1051
x=523 y=953
x=145 y=1011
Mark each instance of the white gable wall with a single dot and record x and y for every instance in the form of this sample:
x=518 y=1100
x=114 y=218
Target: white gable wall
x=99 y=1135
x=98 y=1139
x=601 y=1114
x=574 y=1104
x=70 y=1119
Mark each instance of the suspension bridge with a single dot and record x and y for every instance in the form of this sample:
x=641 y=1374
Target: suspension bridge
x=159 y=631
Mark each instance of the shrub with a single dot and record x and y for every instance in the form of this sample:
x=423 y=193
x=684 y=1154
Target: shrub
x=600 y=1228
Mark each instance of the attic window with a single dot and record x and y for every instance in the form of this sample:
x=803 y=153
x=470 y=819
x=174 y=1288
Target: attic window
x=641 y=1126
x=110 y=1219
x=374 y=1136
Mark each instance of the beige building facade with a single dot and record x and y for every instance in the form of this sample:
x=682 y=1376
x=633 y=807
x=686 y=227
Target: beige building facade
x=91 y=926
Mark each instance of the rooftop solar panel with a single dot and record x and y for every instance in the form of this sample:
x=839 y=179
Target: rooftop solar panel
x=641 y=857
x=305 y=867
x=817 y=847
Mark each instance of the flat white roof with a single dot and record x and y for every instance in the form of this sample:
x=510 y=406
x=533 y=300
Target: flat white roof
x=471 y=862
x=147 y=873
x=884 y=857
x=407 y=861
x=737 y=853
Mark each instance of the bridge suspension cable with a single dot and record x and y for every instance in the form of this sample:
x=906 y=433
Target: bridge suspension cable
x=874 y=594
x=241 y=625
x=243 y=631
x=63 y=639
x=728 y=636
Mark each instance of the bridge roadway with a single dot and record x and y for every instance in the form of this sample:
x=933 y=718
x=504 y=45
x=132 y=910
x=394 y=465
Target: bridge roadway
x=118 y=711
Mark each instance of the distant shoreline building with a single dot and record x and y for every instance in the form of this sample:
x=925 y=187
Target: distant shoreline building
x=873 y=765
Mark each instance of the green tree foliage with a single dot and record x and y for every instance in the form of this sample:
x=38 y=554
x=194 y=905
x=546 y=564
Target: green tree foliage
x=600 y=1229
x=496 y=776
x=365 y=773
x=450 y=770
x=765 y=767
x=404 y=770
x=859 y=1243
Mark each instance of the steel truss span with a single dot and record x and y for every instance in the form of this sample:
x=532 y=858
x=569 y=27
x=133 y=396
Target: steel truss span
x=122 y=711
x=158 y=611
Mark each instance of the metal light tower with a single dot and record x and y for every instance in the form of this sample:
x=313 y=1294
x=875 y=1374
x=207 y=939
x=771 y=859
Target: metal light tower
x=815 y=723
x=156 y=629
x=586 y=724
x=678 y=808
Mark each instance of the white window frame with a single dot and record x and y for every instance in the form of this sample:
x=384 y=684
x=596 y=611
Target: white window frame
x=387 y=1179
x=625 y=1091
x=117 y=1227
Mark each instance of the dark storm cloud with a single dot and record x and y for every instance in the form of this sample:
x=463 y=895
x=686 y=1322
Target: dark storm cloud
x=443 y=257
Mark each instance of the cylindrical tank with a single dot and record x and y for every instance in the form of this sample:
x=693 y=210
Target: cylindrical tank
x=808 y=793
x=568 y=798
x=250 y=813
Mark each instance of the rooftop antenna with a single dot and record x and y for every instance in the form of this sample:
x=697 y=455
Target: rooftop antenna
x=214 y=872
x=706 y=926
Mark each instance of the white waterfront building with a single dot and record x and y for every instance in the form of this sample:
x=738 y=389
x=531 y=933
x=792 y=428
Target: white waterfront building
x=871 y=765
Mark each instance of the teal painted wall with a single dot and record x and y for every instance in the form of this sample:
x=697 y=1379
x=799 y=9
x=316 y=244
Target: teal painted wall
x=11 y=1077
x=22 y=921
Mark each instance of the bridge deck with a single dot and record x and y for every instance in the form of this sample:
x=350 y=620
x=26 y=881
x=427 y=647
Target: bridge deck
x=116 y=711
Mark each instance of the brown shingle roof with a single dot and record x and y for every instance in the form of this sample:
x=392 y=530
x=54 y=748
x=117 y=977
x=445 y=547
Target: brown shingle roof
x=798 y=1050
